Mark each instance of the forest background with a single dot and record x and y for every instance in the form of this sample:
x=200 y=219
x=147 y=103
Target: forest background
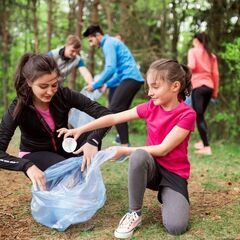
x=151 y=29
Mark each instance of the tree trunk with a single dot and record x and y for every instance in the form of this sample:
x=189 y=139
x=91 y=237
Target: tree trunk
x=175 y=31
x=49 y=24
x=163 y=30
x=35 y=25
x=124 y=15
x=71 y=16
x=108 y=16
x=94 y=20
x=72 y=81
x=4 y=18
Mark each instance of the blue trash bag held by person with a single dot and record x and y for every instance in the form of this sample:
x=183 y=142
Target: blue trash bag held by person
x=71 y=196
x=78 y=118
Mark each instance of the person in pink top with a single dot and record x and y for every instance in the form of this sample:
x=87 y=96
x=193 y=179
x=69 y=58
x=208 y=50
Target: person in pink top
x=205 y=82
x=162 y=165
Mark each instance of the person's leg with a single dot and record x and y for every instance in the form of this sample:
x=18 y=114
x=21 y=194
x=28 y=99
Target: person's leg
x=44 y=159
x=198 y=106
x=110 y=94
x=121 y=101
x=175 y=211
x=142 y=173
x=207 y=94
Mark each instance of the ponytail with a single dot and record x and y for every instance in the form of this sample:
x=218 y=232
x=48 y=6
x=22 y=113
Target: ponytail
x=22 y=89
x=186 y=86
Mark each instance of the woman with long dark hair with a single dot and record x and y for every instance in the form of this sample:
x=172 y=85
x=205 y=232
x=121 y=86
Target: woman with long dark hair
x=205 y=82
x=40 y=108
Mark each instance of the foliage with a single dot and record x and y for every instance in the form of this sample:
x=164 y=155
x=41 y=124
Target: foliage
x=151 y=29
x=225 y=113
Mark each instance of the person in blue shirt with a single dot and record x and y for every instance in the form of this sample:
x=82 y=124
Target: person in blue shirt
x=67 y=58
x=120 y=70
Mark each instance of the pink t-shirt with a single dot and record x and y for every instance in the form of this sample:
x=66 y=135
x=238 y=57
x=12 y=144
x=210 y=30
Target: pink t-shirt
x=204 y=69
x=48 y=119
x=159 y=124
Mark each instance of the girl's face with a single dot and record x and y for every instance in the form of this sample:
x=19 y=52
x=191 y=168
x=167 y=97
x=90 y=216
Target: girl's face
x=44 y=88
x=163 y=93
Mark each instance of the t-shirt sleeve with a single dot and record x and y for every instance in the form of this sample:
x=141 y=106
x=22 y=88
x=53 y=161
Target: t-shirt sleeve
x=187 y=120
x=142 y=110
x=81 y=63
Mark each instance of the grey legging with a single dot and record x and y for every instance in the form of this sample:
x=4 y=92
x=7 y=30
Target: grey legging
x=175 y=208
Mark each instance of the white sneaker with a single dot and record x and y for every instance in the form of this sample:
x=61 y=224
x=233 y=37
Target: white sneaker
x=127 y=225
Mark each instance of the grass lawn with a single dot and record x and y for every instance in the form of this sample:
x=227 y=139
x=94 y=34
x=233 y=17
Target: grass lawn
x=214 y=189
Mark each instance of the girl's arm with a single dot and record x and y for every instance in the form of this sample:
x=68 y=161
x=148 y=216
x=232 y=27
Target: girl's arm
x=102 y=122
x=171 y=141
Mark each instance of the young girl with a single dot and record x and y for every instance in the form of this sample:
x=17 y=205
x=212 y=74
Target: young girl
x=162 y=164
x=41 y=107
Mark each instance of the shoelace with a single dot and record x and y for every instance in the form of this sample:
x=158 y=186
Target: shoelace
x=128 y=219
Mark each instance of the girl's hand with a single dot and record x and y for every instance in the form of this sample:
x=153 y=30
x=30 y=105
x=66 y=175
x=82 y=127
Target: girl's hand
x=88 y=153
x=120 y=151
x=75 y=133
x=37 y=177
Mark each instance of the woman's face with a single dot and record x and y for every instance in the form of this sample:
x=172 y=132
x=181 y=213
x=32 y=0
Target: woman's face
x=44 y=88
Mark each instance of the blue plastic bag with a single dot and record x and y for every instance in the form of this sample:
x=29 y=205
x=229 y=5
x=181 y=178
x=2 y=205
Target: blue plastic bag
x=71 y=196
x=78 y=118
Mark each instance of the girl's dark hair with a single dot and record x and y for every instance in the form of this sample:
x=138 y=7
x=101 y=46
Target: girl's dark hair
x=204 y=40
x=31 y=67
x=171 y=71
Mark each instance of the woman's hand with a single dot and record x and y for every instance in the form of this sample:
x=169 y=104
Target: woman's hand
x=37 y=177
x=88 y=153
x=75 y=133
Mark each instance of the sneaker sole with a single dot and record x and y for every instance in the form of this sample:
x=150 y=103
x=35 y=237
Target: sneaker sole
x=125 y=235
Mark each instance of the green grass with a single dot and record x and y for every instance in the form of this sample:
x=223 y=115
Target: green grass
x=214 y=188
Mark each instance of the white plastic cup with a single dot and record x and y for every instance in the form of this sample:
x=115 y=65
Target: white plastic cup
x=69 y=145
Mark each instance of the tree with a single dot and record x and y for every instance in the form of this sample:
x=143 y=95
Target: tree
x=94 y=20
x=35 y=25
x=5 y=10
x=79 y=16
x=49 y=24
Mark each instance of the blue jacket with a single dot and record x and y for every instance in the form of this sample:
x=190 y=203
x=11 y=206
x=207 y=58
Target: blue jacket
x=119 y=63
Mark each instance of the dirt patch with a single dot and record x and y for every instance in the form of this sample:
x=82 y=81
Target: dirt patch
x=16 y=221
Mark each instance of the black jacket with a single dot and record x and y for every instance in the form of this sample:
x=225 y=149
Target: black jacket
x=34 y=137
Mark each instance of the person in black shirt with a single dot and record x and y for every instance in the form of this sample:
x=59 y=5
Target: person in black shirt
x=40 y=108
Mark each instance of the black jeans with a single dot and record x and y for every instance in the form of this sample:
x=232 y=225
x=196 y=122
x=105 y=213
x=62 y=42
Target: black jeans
x=201 y=97
x=121 y=101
